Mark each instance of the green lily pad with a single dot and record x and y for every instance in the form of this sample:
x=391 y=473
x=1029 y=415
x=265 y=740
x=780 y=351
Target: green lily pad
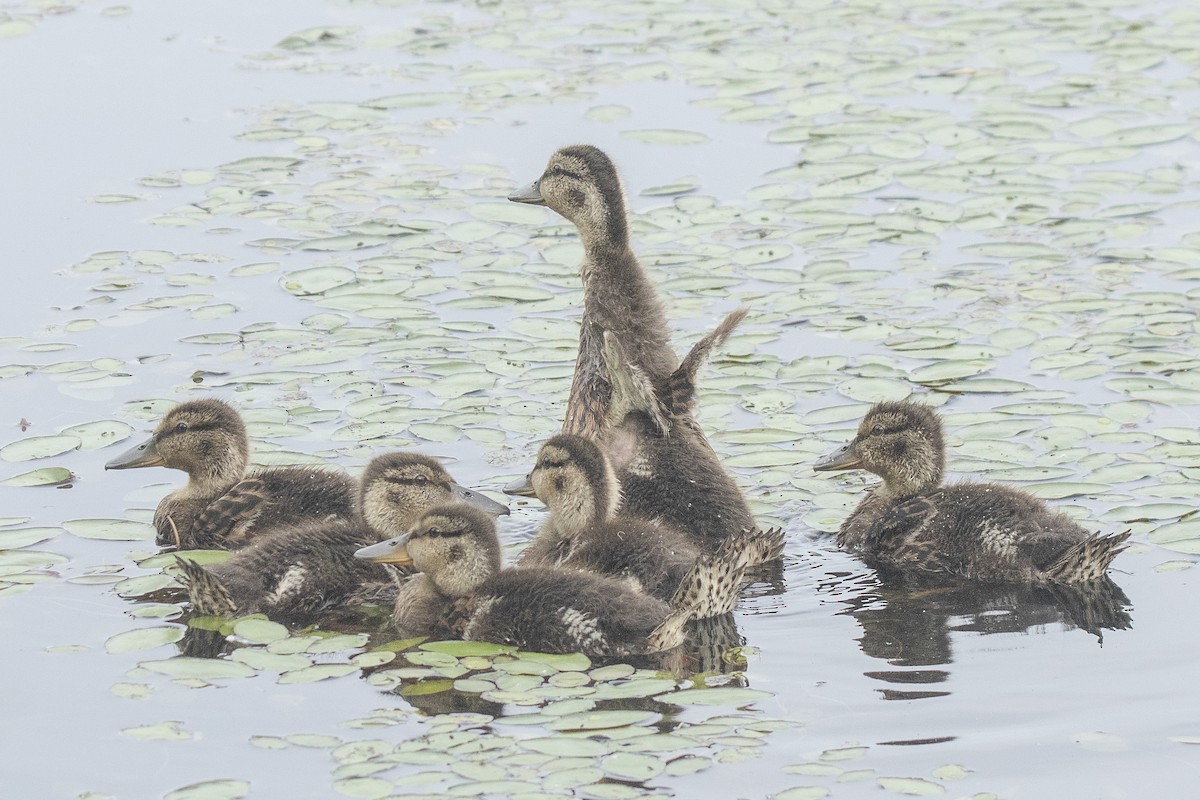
x=39 y=447
x=46 y=476
x=202 y=668
x=599 y=720
x=259 y=631
x=143 y=639
x=211 y=790
x=121 y=530
x=916 y=787
x=317 y=672
x=23 y=537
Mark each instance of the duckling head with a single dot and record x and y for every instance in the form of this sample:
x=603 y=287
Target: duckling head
x=454 y=545
x=900 y=442
x=577 y=483
x=398 y=487
x=581 y=184
x=204 y=438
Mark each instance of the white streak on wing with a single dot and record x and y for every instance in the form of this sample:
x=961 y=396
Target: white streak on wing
x=584 y=628
x=482 y=607
x=999 y=540
x=292 y=581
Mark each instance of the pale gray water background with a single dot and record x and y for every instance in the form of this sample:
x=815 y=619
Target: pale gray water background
x=1043 y=712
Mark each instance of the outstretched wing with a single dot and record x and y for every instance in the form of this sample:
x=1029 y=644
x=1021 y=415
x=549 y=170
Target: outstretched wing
x=681 y=386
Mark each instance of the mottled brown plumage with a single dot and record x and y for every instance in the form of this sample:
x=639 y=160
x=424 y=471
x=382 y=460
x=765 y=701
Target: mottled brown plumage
x=463 y=591
x=628 y=382
x=585 y=530
x=308 y=571
x=981 y=531
x=221 y=506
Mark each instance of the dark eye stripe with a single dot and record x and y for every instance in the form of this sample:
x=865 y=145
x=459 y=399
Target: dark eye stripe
x=201 y=426
x=548 y=464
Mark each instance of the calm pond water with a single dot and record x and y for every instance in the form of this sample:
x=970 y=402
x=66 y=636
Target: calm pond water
x=300 y=207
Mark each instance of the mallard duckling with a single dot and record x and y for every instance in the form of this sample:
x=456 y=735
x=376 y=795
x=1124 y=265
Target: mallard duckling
x=221 y=506
x=628 y=382
x=981 y=531
x=461 y=590
x=300 y=574
x=584 y=530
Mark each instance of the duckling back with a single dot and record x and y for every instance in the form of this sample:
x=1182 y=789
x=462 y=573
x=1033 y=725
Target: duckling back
x=981 y=531
x=563 y=611
x=295 y=576
x=275 y=499
x=652 y=559
x=677 y=480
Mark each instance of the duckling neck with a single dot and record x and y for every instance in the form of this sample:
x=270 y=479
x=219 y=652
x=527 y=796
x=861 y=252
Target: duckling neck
x=900 y=484
x=216 y=478
x=465 y=575
x=575 y=514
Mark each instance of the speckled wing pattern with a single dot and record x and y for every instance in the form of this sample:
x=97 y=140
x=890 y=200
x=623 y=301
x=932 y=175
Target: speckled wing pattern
x=237 y=507
x=209 y=596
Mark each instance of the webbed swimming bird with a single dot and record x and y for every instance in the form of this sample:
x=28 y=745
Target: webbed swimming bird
x=222 y=506
x=305 y=572
x=586 y=531
x=980 y=531
x=628 y=383
x=463 y=591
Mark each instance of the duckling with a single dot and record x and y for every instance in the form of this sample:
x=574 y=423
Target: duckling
x=982 y=531
x=221 y=506
x=584 y=531
x=301 y=574
x=462 y=590
x=627 y=377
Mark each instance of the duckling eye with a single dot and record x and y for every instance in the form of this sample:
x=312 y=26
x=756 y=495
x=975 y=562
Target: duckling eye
x=557 y=170
x=877 y=429
x=421 y=480
x=434 y=532
x=181 y=427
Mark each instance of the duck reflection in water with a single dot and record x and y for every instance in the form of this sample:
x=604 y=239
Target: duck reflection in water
x=910 y=624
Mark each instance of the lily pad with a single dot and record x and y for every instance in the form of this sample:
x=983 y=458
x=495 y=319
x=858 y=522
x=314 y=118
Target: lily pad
x=46 y=476
x=143 y=639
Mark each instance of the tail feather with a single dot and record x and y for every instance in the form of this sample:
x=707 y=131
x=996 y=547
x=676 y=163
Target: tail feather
x=711 y=587
x=209 y=596
x=1088 y=560
x=681 y=385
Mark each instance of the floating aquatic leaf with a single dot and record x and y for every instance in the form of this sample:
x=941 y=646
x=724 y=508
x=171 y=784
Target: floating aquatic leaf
x=23 y=537
x=39 y=447
x=143 y=639
x=121 y=530
x=802 y=793
x=632 y=766
x=363 y=787
x=163 y=731
x=666 y=136
x=95 y=435
x=47 y=476
x=211 y=790
x=259 y=631
x=917 y=787
x=459 y=649
x=599 y=720
x=317 y=672
x=202 y=668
